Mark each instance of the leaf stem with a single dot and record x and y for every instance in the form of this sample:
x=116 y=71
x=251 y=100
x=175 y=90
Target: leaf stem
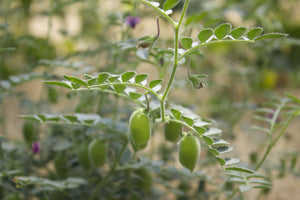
x=212 y=42
x=233 y=194
x=112 y=169
x=272 y=144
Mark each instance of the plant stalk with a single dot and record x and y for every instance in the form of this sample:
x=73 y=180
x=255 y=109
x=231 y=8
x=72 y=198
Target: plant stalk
x=176 y=60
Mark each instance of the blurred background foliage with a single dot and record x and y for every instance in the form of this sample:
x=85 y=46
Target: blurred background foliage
x=42 y=40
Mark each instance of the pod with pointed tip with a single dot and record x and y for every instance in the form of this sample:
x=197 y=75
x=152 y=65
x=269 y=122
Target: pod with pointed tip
x=139 y=129
x=189 y=151
x=172 y=131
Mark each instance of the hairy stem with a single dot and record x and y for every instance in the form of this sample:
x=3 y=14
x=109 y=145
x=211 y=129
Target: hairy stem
x=176 y=60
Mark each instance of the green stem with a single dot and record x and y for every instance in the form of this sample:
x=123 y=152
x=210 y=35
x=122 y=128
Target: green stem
x=112 y=169
x=176 y=46
x=273 y=143
x=232 y=194
x=96 y=87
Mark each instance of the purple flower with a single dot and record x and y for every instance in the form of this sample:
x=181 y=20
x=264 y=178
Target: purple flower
x=35 y=147
x=132 y=21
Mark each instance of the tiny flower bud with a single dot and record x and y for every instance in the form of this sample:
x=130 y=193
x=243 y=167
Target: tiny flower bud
x=132 y=21
x=35 y=147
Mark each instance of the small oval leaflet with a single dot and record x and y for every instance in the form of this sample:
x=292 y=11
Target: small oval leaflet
x=238 y=32
x=177 y=114
x=135 y=95
x=141 y=77
x=254 y=32
x=169 y=4
x=59 y=83
x=119 y=88
x=205 y=34
x=127 y=76
x=270 y=36
x=154 y=83
x=186 y=42
x=102 y=77
x=240 y=169
x=222 y=30
x=208 y=140
x=76 y=80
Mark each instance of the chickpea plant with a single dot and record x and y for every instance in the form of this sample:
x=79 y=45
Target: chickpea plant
x=181 y=125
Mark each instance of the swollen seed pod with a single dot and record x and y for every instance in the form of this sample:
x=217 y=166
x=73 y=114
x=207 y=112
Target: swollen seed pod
x=97 y=153
x=172 y=131
x=189 y=151
x=83 y=156
x=139 y=129
x=144 y=179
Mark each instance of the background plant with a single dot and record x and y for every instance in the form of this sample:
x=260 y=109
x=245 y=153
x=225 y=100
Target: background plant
x=64 y=143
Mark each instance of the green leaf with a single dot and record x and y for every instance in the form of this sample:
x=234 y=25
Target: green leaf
x=135 y=95
x=186 y=42
x=169 y=4
x=114 y=78
x=176 y=113
x=221 y=161
x=70 y=118
x=240 y=169
x=119 y=88
x=76 y=80
x=200 y=130
x=208 y=140
x=102 y=77
x=237 y=180
x=59 y=83
x=213 y=131
x=91 y=79
x=141 y=77
x=222 y=30
x=31 y=117
x=254 y=32
x=188 y=120
x=224 y=149
x=271 y=36
x=231 y=161
x=215 y=152
x=261 y=182
x=127 y=76
x=295 y=99
x=218 y=141
x=154 y=83
x=238 y=32
x=205 y=34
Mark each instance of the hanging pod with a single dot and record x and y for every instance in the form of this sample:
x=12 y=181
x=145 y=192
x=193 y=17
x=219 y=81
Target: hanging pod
x=189 y=151
x=172 y=131
x=97 y=152
x=139 y=130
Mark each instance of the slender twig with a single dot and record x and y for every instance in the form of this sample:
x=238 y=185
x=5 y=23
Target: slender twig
x=273 y=143
x=176 y=60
